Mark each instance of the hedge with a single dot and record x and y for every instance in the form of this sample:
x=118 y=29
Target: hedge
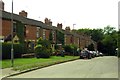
x=6 y=50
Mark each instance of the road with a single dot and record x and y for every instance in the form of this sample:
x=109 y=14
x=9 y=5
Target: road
x=100 y=67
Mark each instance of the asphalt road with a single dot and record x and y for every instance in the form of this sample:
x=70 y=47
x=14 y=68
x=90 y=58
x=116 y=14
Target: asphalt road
x=100 y=67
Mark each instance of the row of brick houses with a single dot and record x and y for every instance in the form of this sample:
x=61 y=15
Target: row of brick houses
x=31 y=30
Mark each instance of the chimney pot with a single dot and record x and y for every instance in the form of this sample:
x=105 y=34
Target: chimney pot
x=23 y=13
x=2 y=5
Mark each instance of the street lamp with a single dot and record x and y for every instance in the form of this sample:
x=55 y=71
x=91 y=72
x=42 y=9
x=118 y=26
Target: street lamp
x=73 y=38
x=12 y=50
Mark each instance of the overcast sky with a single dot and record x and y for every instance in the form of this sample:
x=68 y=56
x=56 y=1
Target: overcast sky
x=83 y=13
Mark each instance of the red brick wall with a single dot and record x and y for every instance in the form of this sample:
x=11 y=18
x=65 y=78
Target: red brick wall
x=69 y=39
x=82 y=42
x=76 y=39
x=47 y=33
x=31 y=32
x=6 y=27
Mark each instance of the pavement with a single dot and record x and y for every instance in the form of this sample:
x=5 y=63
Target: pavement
x=7 y=71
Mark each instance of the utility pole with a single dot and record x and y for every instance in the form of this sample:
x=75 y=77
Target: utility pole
x=12 y=50
x=73 y=38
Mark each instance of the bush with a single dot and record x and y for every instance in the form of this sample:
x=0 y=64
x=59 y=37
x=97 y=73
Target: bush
x=43 y=48
x=6 y=50
x=68 y=48
x=42 y=52
x=38 y=49
x=44 y=43
x=71 y=49
x=56 y=47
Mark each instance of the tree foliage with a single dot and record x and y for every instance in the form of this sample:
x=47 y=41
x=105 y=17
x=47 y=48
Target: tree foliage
x=108 y=30
x=96 y=34
x=110 y=40
x=91 y=47
x=106 y=39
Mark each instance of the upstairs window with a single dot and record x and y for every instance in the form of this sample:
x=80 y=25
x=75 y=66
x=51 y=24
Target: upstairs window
x=38 y=32
x=44 y=34
x=25 y=31
x=14 y=27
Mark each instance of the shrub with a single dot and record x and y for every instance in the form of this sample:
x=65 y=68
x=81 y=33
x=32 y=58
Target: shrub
x=43 y=48
x=42 y=52
x=67 y=48
x=6 y=50
x=56 y=47
x=44 y=43
x=38 y=49
x=71 y=49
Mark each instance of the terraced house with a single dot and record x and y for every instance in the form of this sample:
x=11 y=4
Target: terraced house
x=29 y=30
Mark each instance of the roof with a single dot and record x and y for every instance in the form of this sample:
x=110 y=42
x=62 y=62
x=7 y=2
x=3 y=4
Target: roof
x=24 y=20
x=27 y=21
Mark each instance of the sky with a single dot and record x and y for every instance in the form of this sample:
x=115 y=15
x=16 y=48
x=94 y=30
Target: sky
x=84 y=13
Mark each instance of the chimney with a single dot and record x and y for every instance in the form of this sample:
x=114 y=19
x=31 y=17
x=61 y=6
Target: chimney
x=23 y=13
x=50 y=22
x=46 y=21
x=67 y=29
x=59 y=26
x=2 y=5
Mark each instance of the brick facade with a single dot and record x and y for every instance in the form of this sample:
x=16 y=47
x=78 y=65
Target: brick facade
x=43 y=30
x=6 y=27
x=68 y=39
x=47 y=33
x=31 y=32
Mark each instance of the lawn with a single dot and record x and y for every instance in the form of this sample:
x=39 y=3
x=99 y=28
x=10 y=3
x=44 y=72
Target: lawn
x=28 y=63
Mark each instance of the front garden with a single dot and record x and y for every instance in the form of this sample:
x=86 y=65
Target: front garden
x=29 y=63
x=43 y=55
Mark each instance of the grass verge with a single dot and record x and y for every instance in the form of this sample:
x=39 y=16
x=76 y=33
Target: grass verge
x=30 y=63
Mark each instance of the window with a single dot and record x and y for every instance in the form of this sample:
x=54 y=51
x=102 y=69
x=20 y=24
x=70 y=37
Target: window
x=53 y=32
x=14 y=26
x=25 y=31
x=38 y=32
x=65 y=39
x=44 y=34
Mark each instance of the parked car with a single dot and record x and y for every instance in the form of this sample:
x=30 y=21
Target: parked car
x=85 y=54
x=96 y=53
x=101 y=54
x=92 y=54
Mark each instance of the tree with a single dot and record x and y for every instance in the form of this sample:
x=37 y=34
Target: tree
x=108 y=30
x=96 y=34
x=101 y=47
x=106 y=39
x=91 y=47
x=110 y=40
x=110 y=44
